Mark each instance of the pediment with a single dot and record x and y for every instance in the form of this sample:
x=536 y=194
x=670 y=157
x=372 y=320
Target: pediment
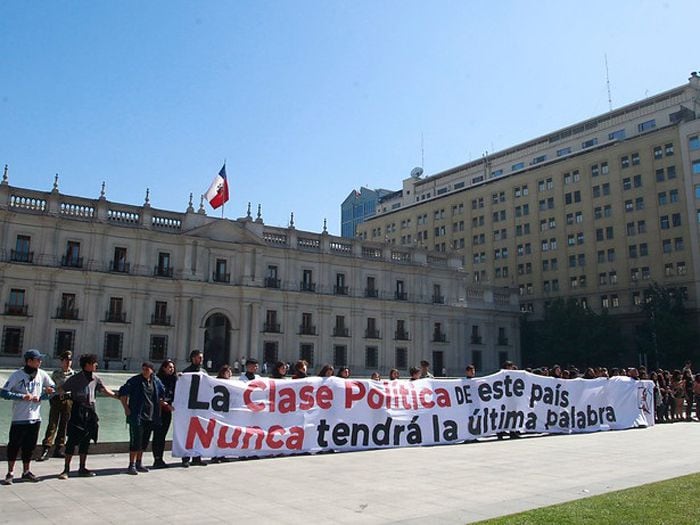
x=224 y=230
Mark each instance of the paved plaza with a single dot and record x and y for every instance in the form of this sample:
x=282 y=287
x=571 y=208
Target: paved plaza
x=445 y=484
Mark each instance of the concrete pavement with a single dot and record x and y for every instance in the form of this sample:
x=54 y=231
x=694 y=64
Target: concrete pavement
x=447 y=484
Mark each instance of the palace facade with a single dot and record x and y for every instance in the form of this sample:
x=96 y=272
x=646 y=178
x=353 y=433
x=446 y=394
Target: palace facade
x=133 y=283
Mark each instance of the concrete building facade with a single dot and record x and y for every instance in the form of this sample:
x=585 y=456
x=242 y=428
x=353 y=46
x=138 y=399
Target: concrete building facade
x=131 y=283
x=596 y=211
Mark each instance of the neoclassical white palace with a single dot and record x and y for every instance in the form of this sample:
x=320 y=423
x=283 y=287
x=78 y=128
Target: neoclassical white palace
x=131 y=283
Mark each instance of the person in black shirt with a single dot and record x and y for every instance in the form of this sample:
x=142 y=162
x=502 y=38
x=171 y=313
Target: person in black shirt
x=168 y=376
x=141 y=396
x=83 y=423
x=196 y=360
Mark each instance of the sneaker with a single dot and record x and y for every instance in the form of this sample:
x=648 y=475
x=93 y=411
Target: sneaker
x=199 y=462
x=159 y=463
x=141 y=468
x=85 y=473
x=215 y=460
x=8 y=479
x=63 y=475
x=28 y=476
x=132 y=470
x=58 y=453
x=44 y=454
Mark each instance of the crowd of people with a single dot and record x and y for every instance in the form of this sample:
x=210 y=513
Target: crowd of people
x=676 y=392
x=147 y=399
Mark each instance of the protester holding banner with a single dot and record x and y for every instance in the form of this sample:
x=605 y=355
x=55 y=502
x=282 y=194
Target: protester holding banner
x=344 y=372
x=301 y=368
x=225 y=372
x=425 y=369
x=327 y=370
x=195 y=366
x=279 y=371
x=251 y=368
x=168 y=376
x=196 y=362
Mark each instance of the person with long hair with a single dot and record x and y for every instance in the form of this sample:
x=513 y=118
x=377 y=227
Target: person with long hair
x=344 y=372
x=279 y=371
x=301 y=368
x=327 y=370
x=225 y=372
x=167 y=374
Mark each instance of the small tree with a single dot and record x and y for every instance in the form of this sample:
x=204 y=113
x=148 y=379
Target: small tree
x=666 y=335
x=571 y=334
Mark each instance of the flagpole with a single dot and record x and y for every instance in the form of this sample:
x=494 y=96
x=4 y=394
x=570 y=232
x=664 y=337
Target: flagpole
x=224 y=203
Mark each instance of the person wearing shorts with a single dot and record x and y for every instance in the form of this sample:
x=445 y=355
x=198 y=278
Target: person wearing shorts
x=141 y=398
x=83 y=424
x=26 y=388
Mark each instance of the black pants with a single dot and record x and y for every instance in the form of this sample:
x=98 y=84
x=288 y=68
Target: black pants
x=77 y=437
x=24 y=436
x=159 y=434
x=139 y=435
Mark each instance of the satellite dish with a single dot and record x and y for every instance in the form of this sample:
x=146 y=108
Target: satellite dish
x=416 y=172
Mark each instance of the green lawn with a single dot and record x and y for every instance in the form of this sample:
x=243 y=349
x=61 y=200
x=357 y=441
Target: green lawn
x=672 y=502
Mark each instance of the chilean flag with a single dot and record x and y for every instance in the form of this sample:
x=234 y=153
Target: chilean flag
x=217 y=194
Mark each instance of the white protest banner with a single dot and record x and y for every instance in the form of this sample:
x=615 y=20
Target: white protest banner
x=215 y=417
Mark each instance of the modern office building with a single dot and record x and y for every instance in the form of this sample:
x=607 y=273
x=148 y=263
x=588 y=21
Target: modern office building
x=595 y=211
x=358 y=207
x=131 y=283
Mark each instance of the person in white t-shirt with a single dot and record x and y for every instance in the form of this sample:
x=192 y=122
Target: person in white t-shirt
x=26 y=388
x=251 y=367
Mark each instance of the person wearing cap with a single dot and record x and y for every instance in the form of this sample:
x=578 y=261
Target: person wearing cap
x=141 y=398
x=83 y=425
x=26 y=388
x=251 y=366
x=59 y=412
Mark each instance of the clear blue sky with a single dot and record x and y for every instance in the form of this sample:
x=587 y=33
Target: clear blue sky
x=307 y=100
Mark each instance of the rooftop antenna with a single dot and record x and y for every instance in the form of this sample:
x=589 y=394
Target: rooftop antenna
x=422 y=152
x=607 y=81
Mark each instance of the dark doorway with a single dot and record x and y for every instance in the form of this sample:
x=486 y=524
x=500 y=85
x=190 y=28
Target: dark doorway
x=217 y=341
x=438 y=363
